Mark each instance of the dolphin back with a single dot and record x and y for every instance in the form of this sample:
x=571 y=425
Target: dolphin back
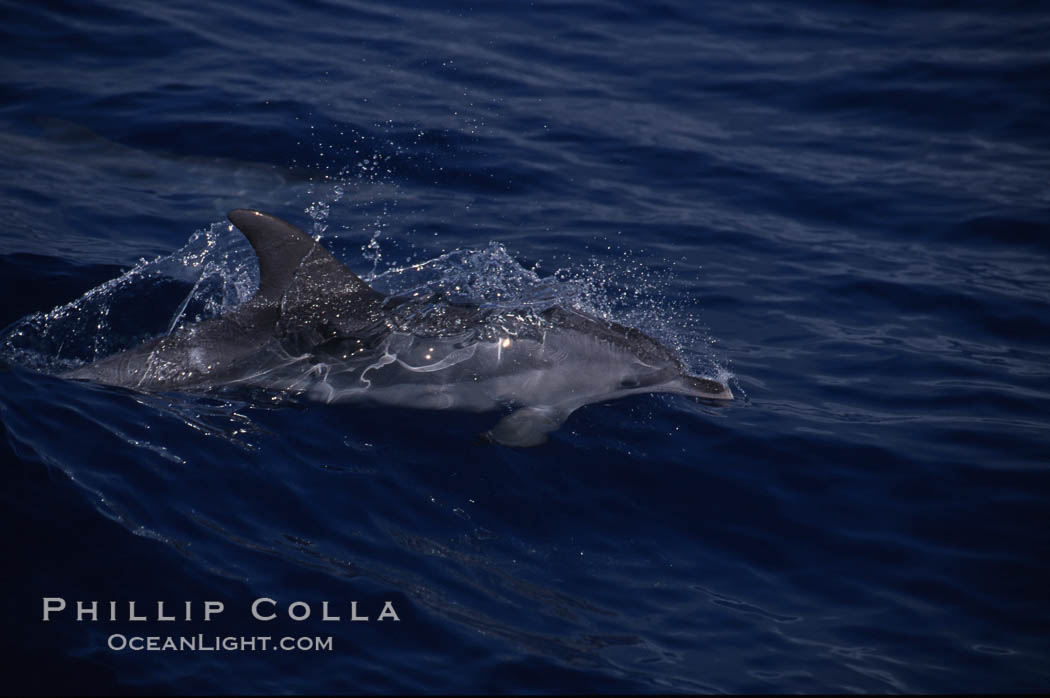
x=304 y=293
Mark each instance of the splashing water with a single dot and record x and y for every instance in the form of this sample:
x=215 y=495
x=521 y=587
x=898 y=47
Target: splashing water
x=215 y=271
x=212 y=273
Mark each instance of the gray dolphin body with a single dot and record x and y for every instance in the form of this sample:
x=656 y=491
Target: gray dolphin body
x=314 y=327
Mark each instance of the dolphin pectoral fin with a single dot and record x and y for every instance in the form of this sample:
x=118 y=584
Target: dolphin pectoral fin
x=526 y=427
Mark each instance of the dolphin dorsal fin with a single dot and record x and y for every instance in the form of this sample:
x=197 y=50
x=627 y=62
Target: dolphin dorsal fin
x=287 y=254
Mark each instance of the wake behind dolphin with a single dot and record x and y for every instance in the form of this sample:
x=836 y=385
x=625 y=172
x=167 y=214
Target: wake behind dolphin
x=315 y=328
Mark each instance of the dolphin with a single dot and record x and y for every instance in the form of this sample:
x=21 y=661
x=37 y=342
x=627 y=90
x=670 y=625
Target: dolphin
x=315 y=328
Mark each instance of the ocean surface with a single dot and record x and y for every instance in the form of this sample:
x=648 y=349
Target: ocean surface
x=843 y=209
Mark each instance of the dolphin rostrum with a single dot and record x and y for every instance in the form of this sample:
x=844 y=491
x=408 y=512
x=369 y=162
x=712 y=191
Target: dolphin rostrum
x=314 y=327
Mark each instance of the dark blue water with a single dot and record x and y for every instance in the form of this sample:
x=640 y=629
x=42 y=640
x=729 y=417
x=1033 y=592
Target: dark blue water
x=843 y=206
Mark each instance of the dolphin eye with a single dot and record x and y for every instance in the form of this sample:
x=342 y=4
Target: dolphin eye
x=629 y=383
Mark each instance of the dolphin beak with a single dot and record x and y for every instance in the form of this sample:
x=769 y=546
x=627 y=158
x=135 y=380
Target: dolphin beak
x=705 y=388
